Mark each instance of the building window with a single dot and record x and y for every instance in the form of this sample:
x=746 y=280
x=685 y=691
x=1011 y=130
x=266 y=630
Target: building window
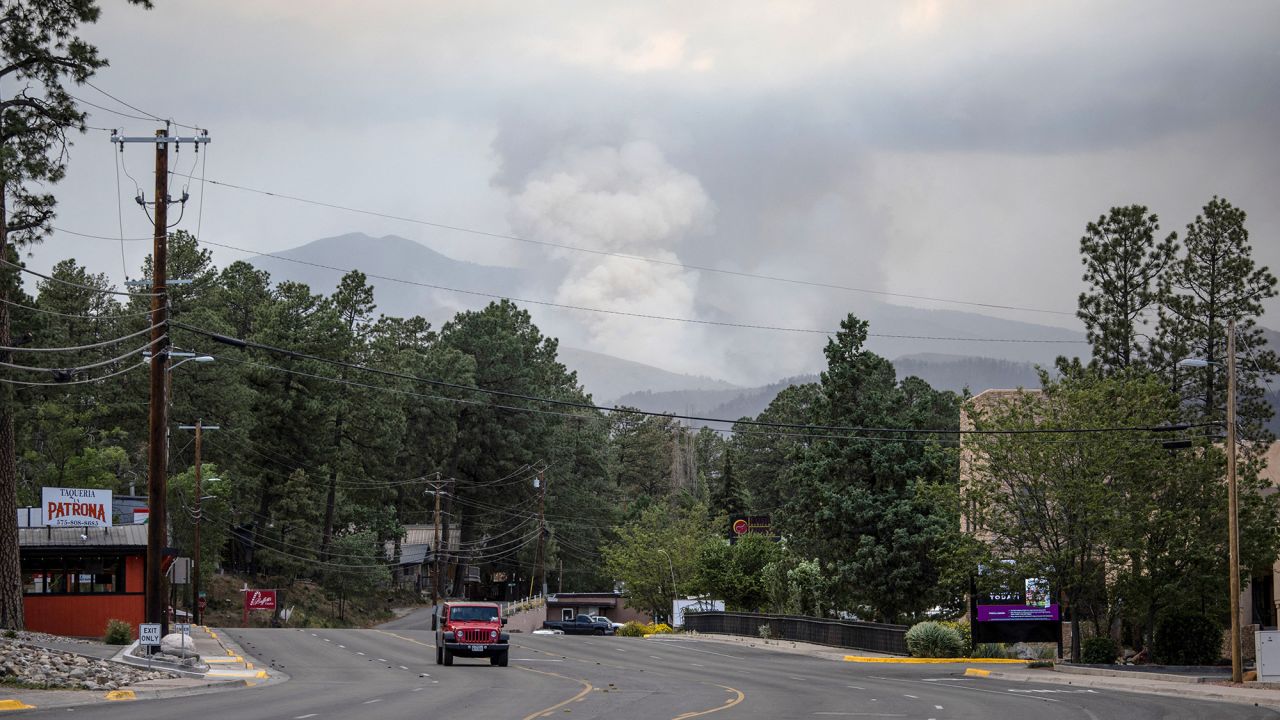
x=73 y=575
x=567 y=614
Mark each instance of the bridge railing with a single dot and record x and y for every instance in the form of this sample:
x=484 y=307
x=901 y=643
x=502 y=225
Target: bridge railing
x=874 y=637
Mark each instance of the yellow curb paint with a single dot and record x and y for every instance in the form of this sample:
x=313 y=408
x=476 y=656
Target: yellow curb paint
x=121 y=695
x=224 y=660
x=976 y=672
x=262 y=675
x=932 y=661
x=248 y=665
x=229 y=652
x=11 y=704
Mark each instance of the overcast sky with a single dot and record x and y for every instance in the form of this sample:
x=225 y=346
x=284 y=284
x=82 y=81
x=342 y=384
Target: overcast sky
x=951 y=149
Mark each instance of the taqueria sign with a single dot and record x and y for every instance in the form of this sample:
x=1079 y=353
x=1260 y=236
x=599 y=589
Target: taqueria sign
x=76 y=507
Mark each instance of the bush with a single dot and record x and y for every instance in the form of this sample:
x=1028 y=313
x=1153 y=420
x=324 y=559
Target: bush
x=1099 y=651
x=632 y=629
x=966 y=634
x=932 y=639
x=1185 y=638
x=118 y=632
x=658 y=629
x=990 y=650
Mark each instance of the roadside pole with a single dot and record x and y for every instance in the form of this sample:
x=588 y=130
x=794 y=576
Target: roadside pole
x=1233 y=522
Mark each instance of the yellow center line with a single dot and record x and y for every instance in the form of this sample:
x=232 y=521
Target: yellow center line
x=408 y=639
x=586 y=688
x=727 y=703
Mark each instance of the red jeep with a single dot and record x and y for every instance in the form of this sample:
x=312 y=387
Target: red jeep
x=470 y=629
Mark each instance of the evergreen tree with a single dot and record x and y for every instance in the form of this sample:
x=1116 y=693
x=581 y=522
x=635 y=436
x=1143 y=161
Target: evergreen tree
x=42 y=53
x=1123 y=263
x=1217 y=280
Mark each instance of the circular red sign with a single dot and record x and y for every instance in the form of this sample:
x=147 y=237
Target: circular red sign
x=740 y=526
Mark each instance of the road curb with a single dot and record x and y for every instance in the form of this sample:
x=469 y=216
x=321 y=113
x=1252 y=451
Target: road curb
x=933 y=661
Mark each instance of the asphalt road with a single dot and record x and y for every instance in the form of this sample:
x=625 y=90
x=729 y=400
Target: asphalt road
x=391 y=673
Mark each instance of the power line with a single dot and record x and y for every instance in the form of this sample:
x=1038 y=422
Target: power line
x=71 y=371
x=150 y=116
x=100 y=378
x=72 y=315
x=249 y=344
x=75 y=285
x=74 y=348
x=636 y=258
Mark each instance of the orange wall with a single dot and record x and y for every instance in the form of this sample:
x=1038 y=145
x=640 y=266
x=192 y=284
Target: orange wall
x=81 y=615
x=87 y=615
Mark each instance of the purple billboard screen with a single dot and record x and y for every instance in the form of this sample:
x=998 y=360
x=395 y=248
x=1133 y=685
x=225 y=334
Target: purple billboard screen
x=1016 y=613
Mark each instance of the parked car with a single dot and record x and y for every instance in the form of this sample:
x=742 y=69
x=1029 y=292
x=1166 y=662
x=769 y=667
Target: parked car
x=601 y=618
x=581 y=625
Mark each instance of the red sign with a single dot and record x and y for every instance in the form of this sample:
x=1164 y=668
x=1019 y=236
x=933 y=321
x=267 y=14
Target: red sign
x=740 y=526
x=260 y=599
x=257 y=600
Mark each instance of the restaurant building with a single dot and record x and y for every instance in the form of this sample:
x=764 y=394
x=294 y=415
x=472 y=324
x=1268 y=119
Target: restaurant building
x=75 y=579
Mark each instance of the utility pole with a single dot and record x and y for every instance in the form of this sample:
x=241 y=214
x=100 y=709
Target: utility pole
x=1233 y=521
x=542 y=529
x=158 y=450
x=437 y=489
x=197 y=612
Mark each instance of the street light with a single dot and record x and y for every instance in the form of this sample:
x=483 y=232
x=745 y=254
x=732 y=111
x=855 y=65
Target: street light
x=675 y=598
x=1233 y=512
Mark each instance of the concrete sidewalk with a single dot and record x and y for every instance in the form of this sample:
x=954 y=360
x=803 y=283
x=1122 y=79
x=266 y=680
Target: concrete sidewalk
x=229 y=668
x=1147 y=683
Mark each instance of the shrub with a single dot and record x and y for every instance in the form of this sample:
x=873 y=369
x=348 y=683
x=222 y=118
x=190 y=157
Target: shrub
x=658 y=629
x=932 y=639
x=764 y=632
x=118 y=632
x=1099 y=651
x=990 y=650
x=1185 y=638
x=11 y=633
x=966 y=634
x=632 y=629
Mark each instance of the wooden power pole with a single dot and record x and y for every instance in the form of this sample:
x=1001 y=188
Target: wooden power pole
x=1233 y=509
x=157 y=440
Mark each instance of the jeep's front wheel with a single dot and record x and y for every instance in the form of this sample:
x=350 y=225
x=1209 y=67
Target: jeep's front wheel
x=500 y=659
x=448 y=658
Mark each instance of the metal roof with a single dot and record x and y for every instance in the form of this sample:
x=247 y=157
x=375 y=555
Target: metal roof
x=70 y=537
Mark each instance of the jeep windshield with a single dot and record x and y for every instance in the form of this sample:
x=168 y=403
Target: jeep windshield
x=473 y=614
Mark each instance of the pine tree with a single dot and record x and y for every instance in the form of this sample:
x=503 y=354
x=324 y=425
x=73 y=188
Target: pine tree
x=1123 y=265
x=41 y=54
x=1217 y=280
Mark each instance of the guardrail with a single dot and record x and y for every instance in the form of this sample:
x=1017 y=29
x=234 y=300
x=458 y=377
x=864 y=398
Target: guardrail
x=875 y=637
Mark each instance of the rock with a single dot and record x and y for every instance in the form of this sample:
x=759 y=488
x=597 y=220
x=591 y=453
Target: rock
x=177 y=644
x=76 y=674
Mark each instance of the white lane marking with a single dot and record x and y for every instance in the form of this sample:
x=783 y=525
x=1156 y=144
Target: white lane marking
x=937 y=707
x=708 y=652
x=537 y=659
x=314 y=635
x=697 y=664
x=344 y=647
x=327 y=640
x=655 y=657
x=1042 y=691
x=417 y=689
x=855 y=687
x=382 y=659
x=619 y=649
x=797 y=677
x=858 y=714
x=359 y=653
x=304 y=717
x=863 y=714
x=403 y=667
x=963 y=687
x=370 y=702
x=913 y=697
